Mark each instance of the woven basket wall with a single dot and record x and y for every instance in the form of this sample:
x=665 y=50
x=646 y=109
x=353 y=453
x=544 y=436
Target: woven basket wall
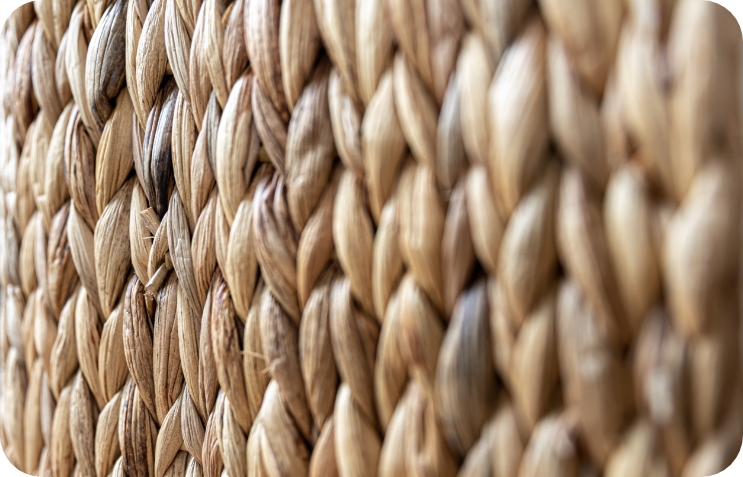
x=371 y=238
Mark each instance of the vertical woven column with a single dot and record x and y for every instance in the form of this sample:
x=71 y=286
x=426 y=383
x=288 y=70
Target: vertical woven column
x=191 y=238
x=96 y=167
x=19 y=276
x=688 y=347
x=54 y=19
x=54 y=265
x=149 y=421
x=291 y=224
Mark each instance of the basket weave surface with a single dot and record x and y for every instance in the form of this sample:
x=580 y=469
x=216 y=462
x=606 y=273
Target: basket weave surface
x=371 y=238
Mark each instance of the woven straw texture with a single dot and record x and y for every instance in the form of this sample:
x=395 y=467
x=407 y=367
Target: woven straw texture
x=495 y=238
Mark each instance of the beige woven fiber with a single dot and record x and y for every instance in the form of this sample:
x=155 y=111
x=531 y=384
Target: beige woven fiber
x=361 y=238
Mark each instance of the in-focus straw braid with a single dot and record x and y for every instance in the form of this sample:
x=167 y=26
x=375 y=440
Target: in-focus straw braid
x=22 y=377
x=191 y=236
x=378 y=103
x=311 y=152
x=219 y=58
x=112 y=107
x=319 y=370
x=150 y=324
x=292 y=209
x=150 y=418
x=237 y=146
x=97 y=166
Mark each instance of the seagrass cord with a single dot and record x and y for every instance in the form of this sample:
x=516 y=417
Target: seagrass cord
x=371 y=238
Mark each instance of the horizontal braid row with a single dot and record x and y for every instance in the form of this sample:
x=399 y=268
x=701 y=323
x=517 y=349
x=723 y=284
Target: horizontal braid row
x=371 y=238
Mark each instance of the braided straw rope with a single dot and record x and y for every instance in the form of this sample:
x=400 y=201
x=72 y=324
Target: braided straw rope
x=371 y=238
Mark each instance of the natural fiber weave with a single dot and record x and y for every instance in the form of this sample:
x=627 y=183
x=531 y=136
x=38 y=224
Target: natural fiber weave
x=371 y=238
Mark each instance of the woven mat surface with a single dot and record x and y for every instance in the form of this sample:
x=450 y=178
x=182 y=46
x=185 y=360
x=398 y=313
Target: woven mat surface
x=496 y=238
